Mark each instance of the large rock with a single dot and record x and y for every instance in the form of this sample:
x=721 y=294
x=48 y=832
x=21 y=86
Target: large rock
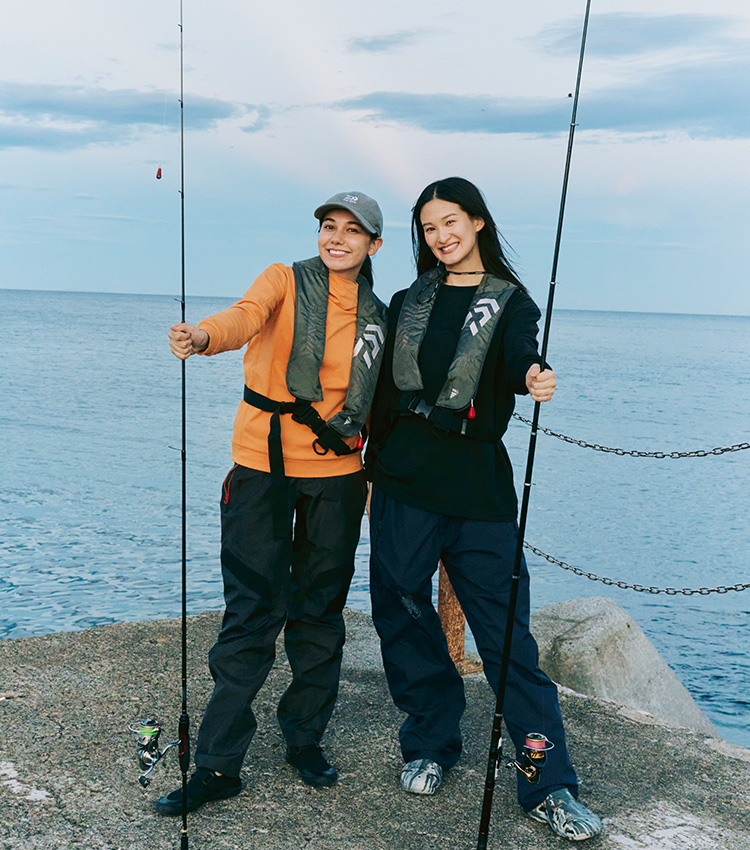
x=594 y=647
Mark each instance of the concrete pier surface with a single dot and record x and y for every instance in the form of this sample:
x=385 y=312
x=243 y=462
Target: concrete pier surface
x=68 y=772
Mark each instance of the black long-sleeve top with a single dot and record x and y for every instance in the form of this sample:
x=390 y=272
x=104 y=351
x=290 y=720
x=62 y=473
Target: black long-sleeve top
x=441 y=471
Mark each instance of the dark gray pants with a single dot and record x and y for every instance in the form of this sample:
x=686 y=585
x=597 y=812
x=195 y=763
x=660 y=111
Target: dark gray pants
x=299 y=583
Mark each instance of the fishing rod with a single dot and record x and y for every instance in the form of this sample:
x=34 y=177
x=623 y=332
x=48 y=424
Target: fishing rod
x=184 y=723
x=148 y=730
x=533 y=754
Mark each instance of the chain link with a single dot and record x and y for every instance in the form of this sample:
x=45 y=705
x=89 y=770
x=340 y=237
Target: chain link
x=632 y=453
x=640 y=588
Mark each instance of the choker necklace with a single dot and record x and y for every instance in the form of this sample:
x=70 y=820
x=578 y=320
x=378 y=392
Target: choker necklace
x=445 y=271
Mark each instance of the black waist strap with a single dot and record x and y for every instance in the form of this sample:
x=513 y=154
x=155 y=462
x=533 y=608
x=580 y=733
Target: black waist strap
x=444 y=419
x=303 y=412
x=326 y=439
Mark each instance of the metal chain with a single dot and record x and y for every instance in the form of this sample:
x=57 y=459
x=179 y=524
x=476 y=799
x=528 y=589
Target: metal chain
x=632 y=453
x=670 y=591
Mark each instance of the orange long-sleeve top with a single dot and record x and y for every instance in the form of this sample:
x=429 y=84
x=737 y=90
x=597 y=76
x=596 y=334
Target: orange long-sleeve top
x=264 y=321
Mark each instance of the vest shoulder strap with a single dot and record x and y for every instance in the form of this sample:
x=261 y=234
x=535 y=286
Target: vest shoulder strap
x=310 y=316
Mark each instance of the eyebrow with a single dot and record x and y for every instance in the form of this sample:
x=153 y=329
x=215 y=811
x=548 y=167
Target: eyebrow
x=440 y=218
x=352 y=221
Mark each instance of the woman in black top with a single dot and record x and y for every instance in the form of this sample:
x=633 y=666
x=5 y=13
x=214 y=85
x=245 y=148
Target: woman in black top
x=461 y=345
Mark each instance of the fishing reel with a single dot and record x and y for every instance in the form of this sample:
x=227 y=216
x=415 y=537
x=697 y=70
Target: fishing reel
x=533 y=756
x=147 y=747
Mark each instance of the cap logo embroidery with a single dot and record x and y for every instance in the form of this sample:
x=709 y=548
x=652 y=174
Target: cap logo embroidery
x=351 y=199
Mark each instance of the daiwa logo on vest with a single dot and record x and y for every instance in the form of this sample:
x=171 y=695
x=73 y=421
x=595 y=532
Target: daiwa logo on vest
x=483 y=311
x=375 y=339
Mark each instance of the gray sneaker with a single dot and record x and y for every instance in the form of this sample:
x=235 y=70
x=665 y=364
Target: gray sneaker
x=566 y=816
x=421 y=776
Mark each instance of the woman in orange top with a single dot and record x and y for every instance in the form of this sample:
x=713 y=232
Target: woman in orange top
x=292 y=503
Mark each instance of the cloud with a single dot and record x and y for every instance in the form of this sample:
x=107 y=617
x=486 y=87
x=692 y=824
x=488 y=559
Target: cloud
x=262 y=115
x=67 y=117
x=449 y=113
x=102 y=217
x=626 y=34
x=706 y=99
x=385 y=43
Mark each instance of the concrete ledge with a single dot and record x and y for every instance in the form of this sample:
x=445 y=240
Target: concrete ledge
x=68 y=775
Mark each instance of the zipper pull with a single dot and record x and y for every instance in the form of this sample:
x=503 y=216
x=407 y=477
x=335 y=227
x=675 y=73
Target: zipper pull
x=472 y=413
x=360 y=441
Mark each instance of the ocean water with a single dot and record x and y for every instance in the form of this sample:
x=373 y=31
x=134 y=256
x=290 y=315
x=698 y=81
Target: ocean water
x=90 y=498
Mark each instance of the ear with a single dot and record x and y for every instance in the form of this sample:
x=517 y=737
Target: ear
x=374 y=245
x=478 y=223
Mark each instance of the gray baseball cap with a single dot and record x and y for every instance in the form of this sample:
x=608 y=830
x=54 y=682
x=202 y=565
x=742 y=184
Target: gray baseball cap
x=364 y=208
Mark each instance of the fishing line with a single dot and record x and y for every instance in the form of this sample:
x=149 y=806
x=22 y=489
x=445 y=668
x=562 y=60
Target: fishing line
x=163 y=125
x=495 y=753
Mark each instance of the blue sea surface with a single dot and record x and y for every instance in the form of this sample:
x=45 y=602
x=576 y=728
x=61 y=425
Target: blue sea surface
x=90 y=481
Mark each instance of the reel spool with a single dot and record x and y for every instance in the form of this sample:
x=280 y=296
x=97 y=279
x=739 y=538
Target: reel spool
x=147 y=747
x=533 y=756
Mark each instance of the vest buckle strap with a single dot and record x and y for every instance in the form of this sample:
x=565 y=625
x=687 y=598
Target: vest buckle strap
x=307 y=415
x=420 y=407
x=446 y=420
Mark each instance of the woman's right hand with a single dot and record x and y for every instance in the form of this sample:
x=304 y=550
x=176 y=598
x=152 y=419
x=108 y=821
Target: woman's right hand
x=185 y=339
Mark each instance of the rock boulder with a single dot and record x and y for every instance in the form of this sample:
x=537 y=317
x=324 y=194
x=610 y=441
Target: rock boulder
x=594 y=647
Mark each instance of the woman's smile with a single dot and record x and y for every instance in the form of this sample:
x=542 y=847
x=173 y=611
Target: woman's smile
x=451 y=234
x=343 y=244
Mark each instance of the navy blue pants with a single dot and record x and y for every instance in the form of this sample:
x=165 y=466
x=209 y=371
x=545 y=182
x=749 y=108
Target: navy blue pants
x=298 y=583
x=406 y=545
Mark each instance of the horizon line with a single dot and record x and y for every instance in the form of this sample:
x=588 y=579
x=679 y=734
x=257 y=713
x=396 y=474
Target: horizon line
x=233 y=297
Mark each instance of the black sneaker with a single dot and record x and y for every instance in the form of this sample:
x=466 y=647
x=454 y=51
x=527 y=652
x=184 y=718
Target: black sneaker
x=312 y=766
x=202 y=787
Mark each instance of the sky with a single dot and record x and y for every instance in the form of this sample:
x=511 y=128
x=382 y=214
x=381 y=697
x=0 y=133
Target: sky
x=287 y=103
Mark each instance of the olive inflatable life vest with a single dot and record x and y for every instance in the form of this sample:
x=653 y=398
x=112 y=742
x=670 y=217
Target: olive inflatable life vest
x=308 y=345
x=303 y=375
x=460 y=388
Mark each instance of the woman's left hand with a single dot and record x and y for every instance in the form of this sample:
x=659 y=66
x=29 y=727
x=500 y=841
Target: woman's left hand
x=540 y=384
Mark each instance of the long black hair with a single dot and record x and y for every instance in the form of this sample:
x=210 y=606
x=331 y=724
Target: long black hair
x=457 y=190
x=366 y=270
